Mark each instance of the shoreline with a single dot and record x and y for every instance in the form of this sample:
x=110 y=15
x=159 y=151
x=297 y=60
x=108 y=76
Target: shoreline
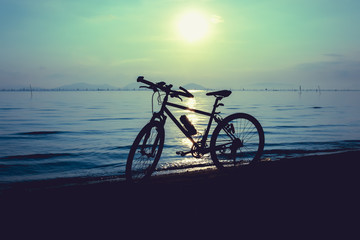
x=313 y=195
x=328 y=160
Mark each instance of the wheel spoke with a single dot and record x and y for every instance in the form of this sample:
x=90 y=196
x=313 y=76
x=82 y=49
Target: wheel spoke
x=247 y=130
x=145 y=152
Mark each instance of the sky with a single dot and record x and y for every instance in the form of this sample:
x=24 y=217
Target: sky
x=225 y=44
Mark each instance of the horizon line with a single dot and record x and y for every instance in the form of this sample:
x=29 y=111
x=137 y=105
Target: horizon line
x=136 y=89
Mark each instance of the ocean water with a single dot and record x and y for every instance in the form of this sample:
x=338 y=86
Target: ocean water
x=82 y=134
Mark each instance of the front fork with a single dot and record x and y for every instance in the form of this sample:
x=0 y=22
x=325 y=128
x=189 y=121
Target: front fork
x=161 y=119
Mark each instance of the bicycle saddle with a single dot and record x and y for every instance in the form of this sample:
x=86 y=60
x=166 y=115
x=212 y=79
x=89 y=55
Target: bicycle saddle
x=222 y=93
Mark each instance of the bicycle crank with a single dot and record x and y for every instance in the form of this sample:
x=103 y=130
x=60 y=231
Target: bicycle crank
x=195 y=152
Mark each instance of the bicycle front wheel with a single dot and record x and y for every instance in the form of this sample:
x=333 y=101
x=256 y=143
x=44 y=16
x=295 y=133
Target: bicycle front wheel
x=238 y=139
x=145 y=152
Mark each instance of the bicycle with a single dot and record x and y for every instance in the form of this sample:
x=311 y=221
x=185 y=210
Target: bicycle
x=237 y=138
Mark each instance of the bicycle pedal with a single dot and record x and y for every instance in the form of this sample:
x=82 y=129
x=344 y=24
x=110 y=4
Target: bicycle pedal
x=181 y=153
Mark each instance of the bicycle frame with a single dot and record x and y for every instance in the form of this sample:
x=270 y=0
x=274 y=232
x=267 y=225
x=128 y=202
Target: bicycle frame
x=237 y=138
x=213 y=116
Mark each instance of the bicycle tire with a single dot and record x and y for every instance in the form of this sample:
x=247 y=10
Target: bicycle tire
x=145 y=152
x=247 y=147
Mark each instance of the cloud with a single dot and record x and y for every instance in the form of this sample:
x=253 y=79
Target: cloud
x=101 y=18
x=216 y=19
x=10 y=79
x=333 y=55
x=57 y=76
x=338 y=72
x=338 y=65
x=131 y=61
x=343 y=73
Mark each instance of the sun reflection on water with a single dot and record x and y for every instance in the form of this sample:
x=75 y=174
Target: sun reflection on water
x=193 y=117
x=186 y=142
x=176 y=138
x=199 y=121
x=190 y=102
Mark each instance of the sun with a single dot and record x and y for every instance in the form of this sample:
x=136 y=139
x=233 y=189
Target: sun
x=193 y=26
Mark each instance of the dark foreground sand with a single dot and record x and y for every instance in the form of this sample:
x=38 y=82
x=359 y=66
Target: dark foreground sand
x=307 y=197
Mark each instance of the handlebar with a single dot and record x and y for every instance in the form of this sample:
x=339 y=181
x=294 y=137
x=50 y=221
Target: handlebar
x=186 y=92
x=141 y=79
x=165 y=88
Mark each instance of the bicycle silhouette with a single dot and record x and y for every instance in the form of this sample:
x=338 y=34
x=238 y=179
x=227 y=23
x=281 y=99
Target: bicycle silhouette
x=237 y=138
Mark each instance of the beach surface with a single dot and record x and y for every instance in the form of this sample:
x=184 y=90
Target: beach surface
x=317 y=194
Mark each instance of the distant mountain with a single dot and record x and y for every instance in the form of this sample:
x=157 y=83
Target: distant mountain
x=271 y=85
x=133 y=86
x=194 y=86
x=86 y=86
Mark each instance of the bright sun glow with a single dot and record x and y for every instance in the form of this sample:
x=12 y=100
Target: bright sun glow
x=193 y=26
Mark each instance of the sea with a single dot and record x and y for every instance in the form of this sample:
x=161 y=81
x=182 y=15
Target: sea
x=47 y=135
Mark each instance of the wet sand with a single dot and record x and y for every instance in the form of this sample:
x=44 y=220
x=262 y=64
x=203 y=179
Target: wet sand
x=307 y=196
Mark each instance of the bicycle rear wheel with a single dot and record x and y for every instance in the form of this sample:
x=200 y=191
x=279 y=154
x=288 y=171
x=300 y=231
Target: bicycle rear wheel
x=145 y=152
x=239 y=138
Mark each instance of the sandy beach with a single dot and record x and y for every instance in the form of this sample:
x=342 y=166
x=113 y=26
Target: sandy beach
x=305 y=194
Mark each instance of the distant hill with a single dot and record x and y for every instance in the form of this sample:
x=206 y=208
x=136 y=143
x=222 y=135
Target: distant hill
x=271 y=85
x=133 y=86
x=86 y=86
x=194 y=86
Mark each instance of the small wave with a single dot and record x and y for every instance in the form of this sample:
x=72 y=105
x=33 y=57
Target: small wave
x=36 y=156
x=40 y=132
x=352 y=141
x=9 y=108
x=292 y=126
x=182 y=165
x=109 y=119
x=294 y=151
x=308 y=126
x=110 y=165
x=286 y=108
x=121 y=147
x=319 y=145
x=286 y=152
